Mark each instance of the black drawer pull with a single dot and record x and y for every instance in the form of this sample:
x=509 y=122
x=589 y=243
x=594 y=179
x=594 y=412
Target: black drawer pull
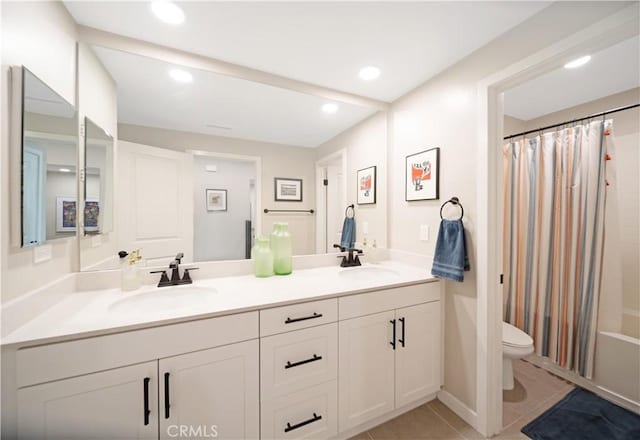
x=167 y=405
x=304 y=318
x=393 y=340
x=147 y=411
x=291 y=427
x=306 y=361
x=402 y=340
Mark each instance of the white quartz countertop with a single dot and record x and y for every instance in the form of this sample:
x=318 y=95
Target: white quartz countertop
x=97 y=312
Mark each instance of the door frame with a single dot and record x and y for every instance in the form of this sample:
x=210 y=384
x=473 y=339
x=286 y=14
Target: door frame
x=257 y=161
x=321 y=211
x=615 y=28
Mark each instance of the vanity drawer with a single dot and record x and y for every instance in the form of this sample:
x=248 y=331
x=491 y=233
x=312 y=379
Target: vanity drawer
x=388 y=299
x=82 y=356
x=296 y=360
x=297 y=316
x=310 y=413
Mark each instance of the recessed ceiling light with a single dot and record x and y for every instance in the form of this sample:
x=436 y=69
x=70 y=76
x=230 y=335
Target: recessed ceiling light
x=330 y=107
x=181 y=75
x=64 y=170
x=167 y=12
x=578 y=62
x=369 y=73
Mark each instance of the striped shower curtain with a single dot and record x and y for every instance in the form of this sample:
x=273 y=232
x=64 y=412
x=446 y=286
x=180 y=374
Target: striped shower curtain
x=554 y=197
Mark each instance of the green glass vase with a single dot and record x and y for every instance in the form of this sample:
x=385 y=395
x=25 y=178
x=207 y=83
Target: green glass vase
x=281 y=247
x=262 y=256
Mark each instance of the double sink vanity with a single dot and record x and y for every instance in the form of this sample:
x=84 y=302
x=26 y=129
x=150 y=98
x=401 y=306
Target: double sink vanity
x=326 y=352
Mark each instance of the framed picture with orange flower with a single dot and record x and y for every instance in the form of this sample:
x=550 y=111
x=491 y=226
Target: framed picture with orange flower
x=423 y=175
x=367 y=186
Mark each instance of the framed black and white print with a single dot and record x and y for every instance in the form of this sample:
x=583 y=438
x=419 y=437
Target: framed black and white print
x=216 y=200
x=288 y=190
x=367 y=186
x=422 y=175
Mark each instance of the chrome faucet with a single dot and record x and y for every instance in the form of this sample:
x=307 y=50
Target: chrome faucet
x=351 y=259
x=175 y=273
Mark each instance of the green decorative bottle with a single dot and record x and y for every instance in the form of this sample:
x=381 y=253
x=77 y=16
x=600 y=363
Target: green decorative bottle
x=262 y=258
x=281 y=247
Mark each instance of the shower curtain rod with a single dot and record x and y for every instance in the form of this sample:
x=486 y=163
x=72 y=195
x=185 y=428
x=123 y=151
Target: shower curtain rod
x=597 y=115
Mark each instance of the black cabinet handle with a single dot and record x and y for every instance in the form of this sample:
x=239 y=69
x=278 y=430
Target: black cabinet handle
x=306 y=361
x=147 y=411
x=304 y=318
x=402 y=340
x=393 y=340
x=167 y=405
x=291 y=427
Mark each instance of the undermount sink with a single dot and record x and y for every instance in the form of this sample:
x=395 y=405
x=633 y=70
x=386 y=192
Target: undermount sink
x=366 y=272
x=173 y=298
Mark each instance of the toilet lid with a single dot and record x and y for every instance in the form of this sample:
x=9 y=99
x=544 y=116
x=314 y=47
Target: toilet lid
x=514 y=336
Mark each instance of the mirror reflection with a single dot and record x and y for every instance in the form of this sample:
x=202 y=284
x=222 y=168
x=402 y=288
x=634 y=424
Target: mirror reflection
x=49 y=157
x=206 y=163
x=98 y=179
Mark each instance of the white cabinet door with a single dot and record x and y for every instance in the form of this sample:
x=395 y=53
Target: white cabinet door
x=366 y=369
x=418 y=353
x=211 y=393
x=106 y=405
x=155 y=201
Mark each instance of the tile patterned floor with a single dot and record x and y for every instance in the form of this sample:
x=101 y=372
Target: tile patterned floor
x=536 y=391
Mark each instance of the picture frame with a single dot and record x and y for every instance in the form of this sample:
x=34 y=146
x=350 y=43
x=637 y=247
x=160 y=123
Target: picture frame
x=366 y=181
x=287 y=190
x=422 y=175
x=216 y=200
x=66 y=214
x=91 y=215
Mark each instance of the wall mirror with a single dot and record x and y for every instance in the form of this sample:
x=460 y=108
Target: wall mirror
x=49 y=164
x=198 y=155
x=98 y=179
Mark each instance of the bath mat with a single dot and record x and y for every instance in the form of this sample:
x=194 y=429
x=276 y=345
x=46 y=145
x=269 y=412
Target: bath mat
x=582 y=415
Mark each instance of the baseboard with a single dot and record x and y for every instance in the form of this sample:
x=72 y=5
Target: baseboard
x=462 y=410
x=584 y=383
x=384 y=418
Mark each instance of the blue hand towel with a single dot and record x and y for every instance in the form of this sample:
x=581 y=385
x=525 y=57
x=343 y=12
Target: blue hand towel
x=348 y=239
x=450 y=259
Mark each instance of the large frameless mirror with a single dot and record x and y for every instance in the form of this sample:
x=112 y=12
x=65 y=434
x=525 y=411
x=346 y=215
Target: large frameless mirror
x=98 y=179
x=49 y=163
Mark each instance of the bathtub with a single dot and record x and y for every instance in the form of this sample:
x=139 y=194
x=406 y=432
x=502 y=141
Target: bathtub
x=617 y=370
x=617 y=367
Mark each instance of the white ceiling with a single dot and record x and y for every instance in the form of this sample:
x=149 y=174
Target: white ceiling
x=148 y=96
x=610 y=71
x=325 y=43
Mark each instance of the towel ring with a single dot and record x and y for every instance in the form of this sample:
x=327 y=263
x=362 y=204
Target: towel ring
x=453 y=201
x=353 y=211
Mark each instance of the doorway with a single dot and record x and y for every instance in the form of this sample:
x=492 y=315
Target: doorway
x=615 y=28
x=331 y=200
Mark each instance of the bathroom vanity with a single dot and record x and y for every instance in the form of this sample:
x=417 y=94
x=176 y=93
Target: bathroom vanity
x=324 y=353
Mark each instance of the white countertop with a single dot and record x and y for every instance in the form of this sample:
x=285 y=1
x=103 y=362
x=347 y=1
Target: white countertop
x=96 y=312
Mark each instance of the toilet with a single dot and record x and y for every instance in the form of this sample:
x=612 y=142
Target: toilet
x=515 y=345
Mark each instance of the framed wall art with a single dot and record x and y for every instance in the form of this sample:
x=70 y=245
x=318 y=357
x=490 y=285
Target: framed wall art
x=422 y=175
x=367 y=186
x=216 y=199
x=66 y=214
x=288 y=190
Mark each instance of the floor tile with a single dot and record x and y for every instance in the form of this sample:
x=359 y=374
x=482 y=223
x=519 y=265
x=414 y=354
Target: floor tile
x=421 y=423
x=454 y=420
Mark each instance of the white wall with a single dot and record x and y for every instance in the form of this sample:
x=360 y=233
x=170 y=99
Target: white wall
x=40 y=36
x=97 y=100
x=620 y=299
x=277 y=161
x=220 y=235
x=366 y=145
